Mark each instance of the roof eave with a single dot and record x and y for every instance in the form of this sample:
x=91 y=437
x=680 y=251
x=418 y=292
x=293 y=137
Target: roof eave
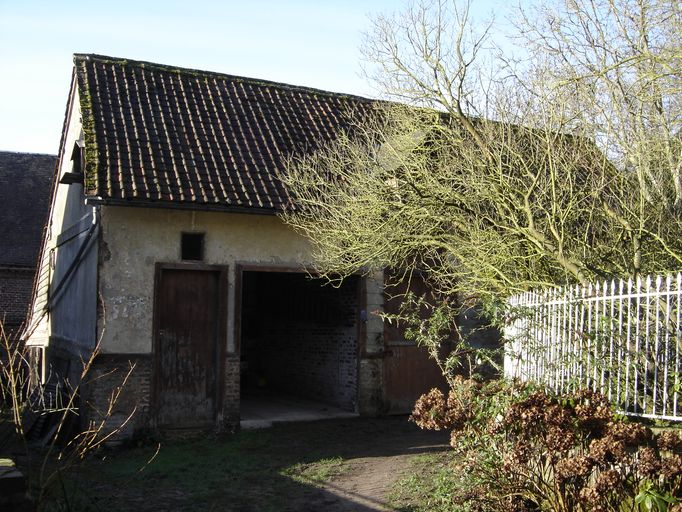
x=177 y=205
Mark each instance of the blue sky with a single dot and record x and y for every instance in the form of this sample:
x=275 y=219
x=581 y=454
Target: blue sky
x=314 y=43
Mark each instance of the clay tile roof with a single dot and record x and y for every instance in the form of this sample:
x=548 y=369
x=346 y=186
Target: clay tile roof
x=155 y=133
x=25 y=185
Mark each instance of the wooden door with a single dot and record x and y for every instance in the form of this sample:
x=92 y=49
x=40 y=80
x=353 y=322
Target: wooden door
x=188 y=359
x=408 y=370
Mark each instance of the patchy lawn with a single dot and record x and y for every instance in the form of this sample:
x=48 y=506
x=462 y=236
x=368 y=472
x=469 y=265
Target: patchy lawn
x=427 y=485
x=338 y=465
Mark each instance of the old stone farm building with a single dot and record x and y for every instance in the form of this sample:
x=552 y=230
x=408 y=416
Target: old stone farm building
x=163 y=244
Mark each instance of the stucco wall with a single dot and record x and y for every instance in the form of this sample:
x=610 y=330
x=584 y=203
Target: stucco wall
x=134 y=239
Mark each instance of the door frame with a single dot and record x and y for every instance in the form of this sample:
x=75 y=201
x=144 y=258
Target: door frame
x=222 y=271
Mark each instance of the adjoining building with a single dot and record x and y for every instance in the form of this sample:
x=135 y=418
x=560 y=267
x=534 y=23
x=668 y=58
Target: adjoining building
x=25 y=182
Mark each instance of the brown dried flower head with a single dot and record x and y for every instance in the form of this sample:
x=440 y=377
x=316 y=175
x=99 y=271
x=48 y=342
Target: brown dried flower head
x=589 y=495
x=632 y=434
x=607 y=450
x=572 y=467
x=607 y=482
x=559 y=439
x=519 y=455
x=430 y=411
x=671 y=467
x=557 y=415
x=670 y=440
x=648 y=462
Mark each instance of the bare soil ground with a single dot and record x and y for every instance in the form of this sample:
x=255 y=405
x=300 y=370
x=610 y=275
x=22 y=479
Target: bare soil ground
x=335 y=465
x=367 y=484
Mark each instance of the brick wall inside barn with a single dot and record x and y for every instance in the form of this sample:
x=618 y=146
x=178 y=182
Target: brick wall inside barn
x=300 y=337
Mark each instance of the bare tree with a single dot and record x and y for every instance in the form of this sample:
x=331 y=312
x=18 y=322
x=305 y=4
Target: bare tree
x=622 y=62
x=499 y=181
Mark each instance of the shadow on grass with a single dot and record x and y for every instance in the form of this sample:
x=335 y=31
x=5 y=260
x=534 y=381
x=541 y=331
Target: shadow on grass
x=283 y=468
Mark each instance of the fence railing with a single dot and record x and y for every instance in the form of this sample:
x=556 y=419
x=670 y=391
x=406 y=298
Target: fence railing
x=622 y=338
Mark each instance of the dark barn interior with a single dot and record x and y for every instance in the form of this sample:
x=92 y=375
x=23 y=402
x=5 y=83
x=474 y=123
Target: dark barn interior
x=299 y=337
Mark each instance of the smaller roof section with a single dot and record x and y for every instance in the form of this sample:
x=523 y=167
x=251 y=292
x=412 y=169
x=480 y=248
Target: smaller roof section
x=25 y=184
x=171 y=136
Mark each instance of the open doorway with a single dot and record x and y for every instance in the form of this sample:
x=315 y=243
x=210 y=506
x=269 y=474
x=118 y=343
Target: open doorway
x=298 y=342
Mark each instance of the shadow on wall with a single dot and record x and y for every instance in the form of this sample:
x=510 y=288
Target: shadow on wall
x=299 y=337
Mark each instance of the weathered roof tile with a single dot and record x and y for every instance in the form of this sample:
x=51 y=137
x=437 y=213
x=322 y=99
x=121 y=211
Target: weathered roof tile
x=181 y=135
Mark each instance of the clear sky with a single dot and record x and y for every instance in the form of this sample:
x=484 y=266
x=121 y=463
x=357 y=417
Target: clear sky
x=313 y=43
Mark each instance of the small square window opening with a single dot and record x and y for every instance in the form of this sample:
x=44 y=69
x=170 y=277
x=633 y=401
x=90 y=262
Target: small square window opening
x=192 y=246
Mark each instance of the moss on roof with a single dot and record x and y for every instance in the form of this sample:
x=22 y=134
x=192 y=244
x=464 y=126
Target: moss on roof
x=215 y=139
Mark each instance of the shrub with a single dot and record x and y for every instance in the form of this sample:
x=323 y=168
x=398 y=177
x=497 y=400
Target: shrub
x=23 y=399
x=525 y=449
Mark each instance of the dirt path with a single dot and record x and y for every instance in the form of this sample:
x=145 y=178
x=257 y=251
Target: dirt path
x=369 y=478
x=368 y=483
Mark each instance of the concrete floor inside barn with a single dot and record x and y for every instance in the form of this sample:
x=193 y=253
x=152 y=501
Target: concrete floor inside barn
x=263 y=409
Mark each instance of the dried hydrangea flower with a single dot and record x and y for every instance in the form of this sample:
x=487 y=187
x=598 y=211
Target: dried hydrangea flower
x=648 y=462
x=671 y=467
x=559 y=439
x=633 y=434
x=579 y=466
x=669 y=440
x=607 y=482
x=589 y=495
x=430 y=411
x=607 y=450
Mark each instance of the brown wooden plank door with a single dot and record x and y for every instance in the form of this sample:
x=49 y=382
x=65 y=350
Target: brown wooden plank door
x=187 y=347
x=408 y=370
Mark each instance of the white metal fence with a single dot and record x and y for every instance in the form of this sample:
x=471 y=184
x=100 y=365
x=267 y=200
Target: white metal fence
x=620 y=337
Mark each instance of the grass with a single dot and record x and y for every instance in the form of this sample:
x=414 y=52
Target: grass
x=317 y=472
x=284 y=468
x=252 y=470
x=428 y=486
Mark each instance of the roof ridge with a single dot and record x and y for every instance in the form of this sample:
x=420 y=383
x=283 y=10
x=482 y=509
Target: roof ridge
x=215 y=74
x=32 y=153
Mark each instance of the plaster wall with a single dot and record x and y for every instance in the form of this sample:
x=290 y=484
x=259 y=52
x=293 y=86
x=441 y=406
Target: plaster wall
x=135 y=239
